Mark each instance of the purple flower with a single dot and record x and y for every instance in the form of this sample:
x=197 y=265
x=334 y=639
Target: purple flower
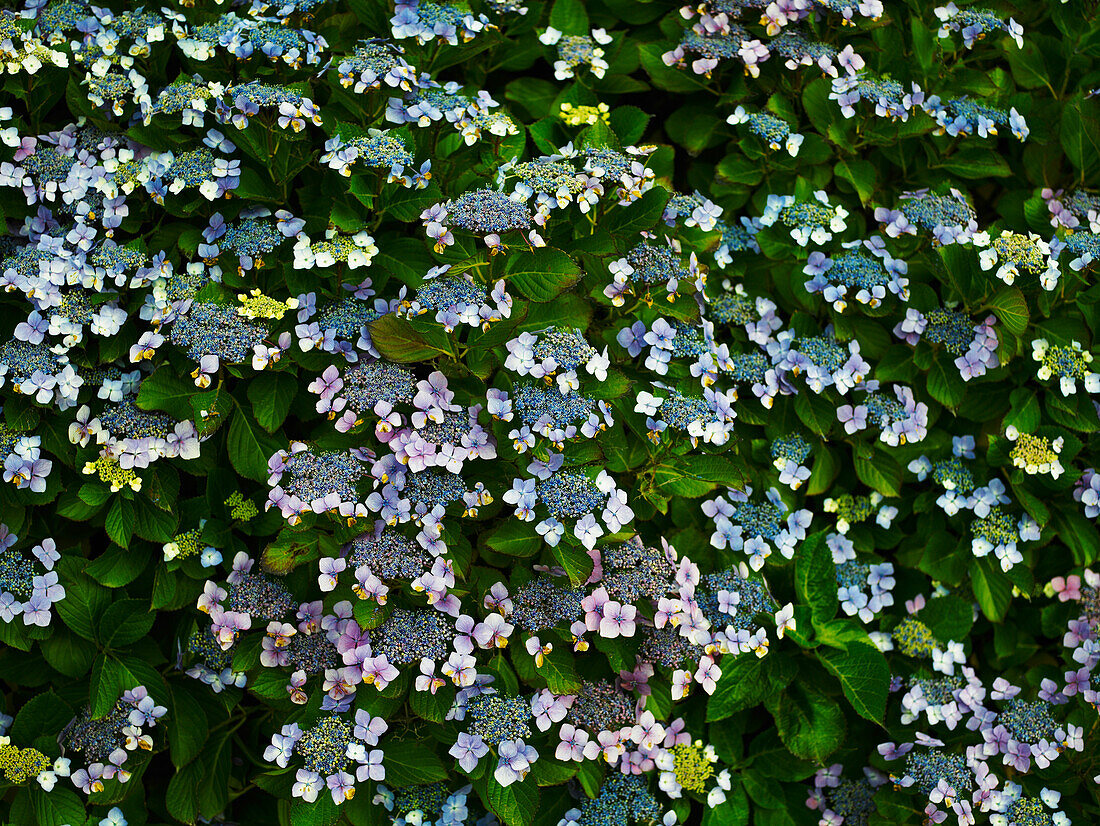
x=470 y=749
x=633 y=338
x=515 y=761
x=853 y=418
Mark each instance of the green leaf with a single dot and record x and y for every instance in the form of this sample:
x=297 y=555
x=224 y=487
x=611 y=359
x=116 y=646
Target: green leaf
x=396 y=340
x=809 y=723
x=627 y=221
x=558 y=671
x=1024 y=414
x=977 y=163
x=815 y=577
x=408 y=763
x=576 y=562
x=517 y=804
x=120 y=522
x=864 y=675
x=85 y=600
x=945 y=385
x=816 y=412
x=321 y=812
x=881 y=472
x=991 y=587
x=116 y=567
x=733 y=812
x=860 y=174
x=433 y=707
x=249 y=446
x=187 y=726
x=209 y=410
x=67 y=653
x=271 y=394
x=821 y=110
x=164 y=390
x=693 y=127
x=124 y=622
x=949 y=617
x=515 y=538
x=1081 y=135
x=629 y=123
x=569 y=16
x=746 y=680
x=1075 y=412
x=1078 y=534
x=181 y=796
x=59 y=807
x=1010 y=306
x=43 y=714
x=214 y=789
x=542 y=274
x=106 y=685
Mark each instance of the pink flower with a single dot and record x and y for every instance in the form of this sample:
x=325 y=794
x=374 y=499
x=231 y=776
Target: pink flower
x=681 y=683
x=593 y=608
x=611 y=745
x=493 y=632
x=428 y=680
x=1067 y=588
x=497 y=599
x=618 y=620
x=549 y=709
x=708 y=674
x=575 y=745
x=330 y=569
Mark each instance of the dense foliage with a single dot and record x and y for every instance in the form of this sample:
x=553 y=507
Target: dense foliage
x=562 y=413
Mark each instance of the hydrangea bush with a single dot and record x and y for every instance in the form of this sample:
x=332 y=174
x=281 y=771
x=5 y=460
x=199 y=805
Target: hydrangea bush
x=549 y=413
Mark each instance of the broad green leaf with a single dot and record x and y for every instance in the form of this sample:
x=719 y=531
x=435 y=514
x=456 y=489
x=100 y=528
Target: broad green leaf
x=569 y=16
x=119 y=524
x=515 y=804
x=408 y=762
x=625 y=222
x=576 y=562
x=85 y=600
x=860 y=174
x=746 y=680
x=816 y=412
x=977 y=163
x=809 y=723
x=815 y=577
x=164 y=390
x=249 y=447
x=271 y=394
x=124 y=622
x=991 y=588
x=864 y=675
x=187 y=726
x=1080 y=135
x=396 y=339
x=515 y=538
x=881 y=472
x=949 y=617
x=181 y=796
x=1010 y=306
x=58 y=807
x=1078 y=534
x=542 y=274
x=945 y=385
x=1025 y=414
